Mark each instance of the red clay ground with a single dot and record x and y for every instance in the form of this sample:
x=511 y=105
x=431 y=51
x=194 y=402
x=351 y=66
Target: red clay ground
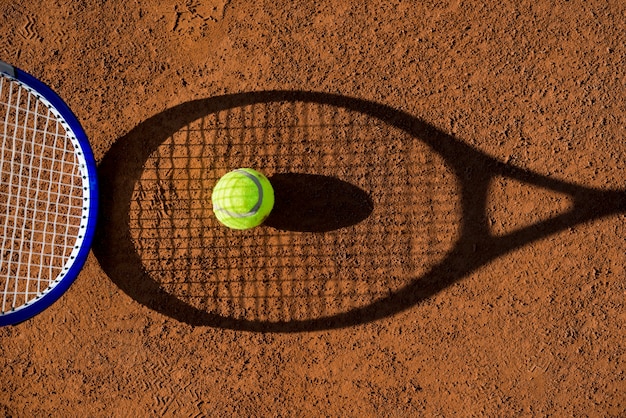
x=175 y=316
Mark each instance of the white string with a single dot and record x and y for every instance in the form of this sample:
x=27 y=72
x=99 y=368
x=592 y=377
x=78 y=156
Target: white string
x=17 y=204
x=44 y=193
x=4 y=139
x=11 y=182
x=30 y=262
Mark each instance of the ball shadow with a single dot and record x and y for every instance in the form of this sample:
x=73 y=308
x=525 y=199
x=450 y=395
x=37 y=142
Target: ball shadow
x=315 y=203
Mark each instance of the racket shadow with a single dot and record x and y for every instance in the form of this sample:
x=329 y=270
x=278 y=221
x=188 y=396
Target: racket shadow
x=317 y=204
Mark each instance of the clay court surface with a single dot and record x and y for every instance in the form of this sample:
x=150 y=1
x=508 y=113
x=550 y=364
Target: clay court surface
x=412 y=266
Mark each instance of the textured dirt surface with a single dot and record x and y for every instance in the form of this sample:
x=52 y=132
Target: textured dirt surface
x=414 y=265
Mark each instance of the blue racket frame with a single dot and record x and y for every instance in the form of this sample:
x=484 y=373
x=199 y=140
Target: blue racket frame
x=48 y=298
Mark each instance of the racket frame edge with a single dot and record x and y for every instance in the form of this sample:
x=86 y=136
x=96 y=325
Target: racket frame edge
x=44 y=301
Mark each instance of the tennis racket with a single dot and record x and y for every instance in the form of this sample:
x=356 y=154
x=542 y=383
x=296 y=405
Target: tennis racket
x=48 y=196
x=426 y=228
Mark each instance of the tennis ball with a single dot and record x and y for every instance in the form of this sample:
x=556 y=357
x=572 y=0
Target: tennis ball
x=242 y=199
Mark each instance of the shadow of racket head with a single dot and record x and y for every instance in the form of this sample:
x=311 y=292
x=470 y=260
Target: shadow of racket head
x=376 y=210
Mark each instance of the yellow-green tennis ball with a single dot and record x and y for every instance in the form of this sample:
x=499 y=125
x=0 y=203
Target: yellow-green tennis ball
x=242 y=199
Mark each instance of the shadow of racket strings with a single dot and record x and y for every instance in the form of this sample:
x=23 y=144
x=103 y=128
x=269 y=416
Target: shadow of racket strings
x=326 y=252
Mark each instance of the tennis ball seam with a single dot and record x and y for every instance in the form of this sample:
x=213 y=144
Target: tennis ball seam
x=257 y=205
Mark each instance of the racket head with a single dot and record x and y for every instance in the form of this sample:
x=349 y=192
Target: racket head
x=43 y=284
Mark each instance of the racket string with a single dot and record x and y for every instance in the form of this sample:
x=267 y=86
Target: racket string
x=41 y=195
